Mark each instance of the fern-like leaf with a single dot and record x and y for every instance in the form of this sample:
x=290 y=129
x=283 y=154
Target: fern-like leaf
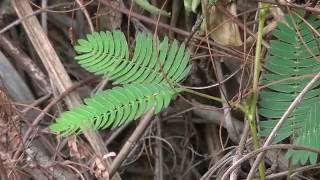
x=289 y=58
x=107 y=53
x=147 y=79
x=112 y=108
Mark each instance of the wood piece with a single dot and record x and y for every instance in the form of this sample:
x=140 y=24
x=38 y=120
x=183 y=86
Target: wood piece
x=45 y=51
x=27 y=64
x=14 y=84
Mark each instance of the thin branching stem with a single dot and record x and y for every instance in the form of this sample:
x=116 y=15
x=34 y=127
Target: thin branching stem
x=234 y=105
x=253 y=99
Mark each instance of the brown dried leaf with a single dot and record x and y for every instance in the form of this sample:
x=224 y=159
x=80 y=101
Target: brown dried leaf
x=72 y=143
x=221 y=28
x=98 y=169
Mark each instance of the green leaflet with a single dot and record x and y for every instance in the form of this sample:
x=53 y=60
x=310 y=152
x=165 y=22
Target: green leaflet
x=114 y=107
x=146 y=78
x=106 y=53
x=150 y=8
x=309 y=137
x=191 y=5
x=289 y=58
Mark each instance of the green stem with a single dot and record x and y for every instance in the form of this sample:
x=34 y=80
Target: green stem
x=253 y=99
x=290 y=169
x=202 y=95
x=238 y=106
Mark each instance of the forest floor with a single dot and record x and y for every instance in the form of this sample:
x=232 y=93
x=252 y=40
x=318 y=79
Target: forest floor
x=200 y=135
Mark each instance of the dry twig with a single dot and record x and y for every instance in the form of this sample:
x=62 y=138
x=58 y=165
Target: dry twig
x=131 y=142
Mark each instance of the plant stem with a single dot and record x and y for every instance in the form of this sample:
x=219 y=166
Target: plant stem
x=203 y=95
x=238 y=106
x=290 y=170
x=253 y=99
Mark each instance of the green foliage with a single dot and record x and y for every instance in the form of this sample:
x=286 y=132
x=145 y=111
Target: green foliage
x=107 y=53
x=293 y=55
x=191 y=5
x=113 y=108
x=148 y=80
